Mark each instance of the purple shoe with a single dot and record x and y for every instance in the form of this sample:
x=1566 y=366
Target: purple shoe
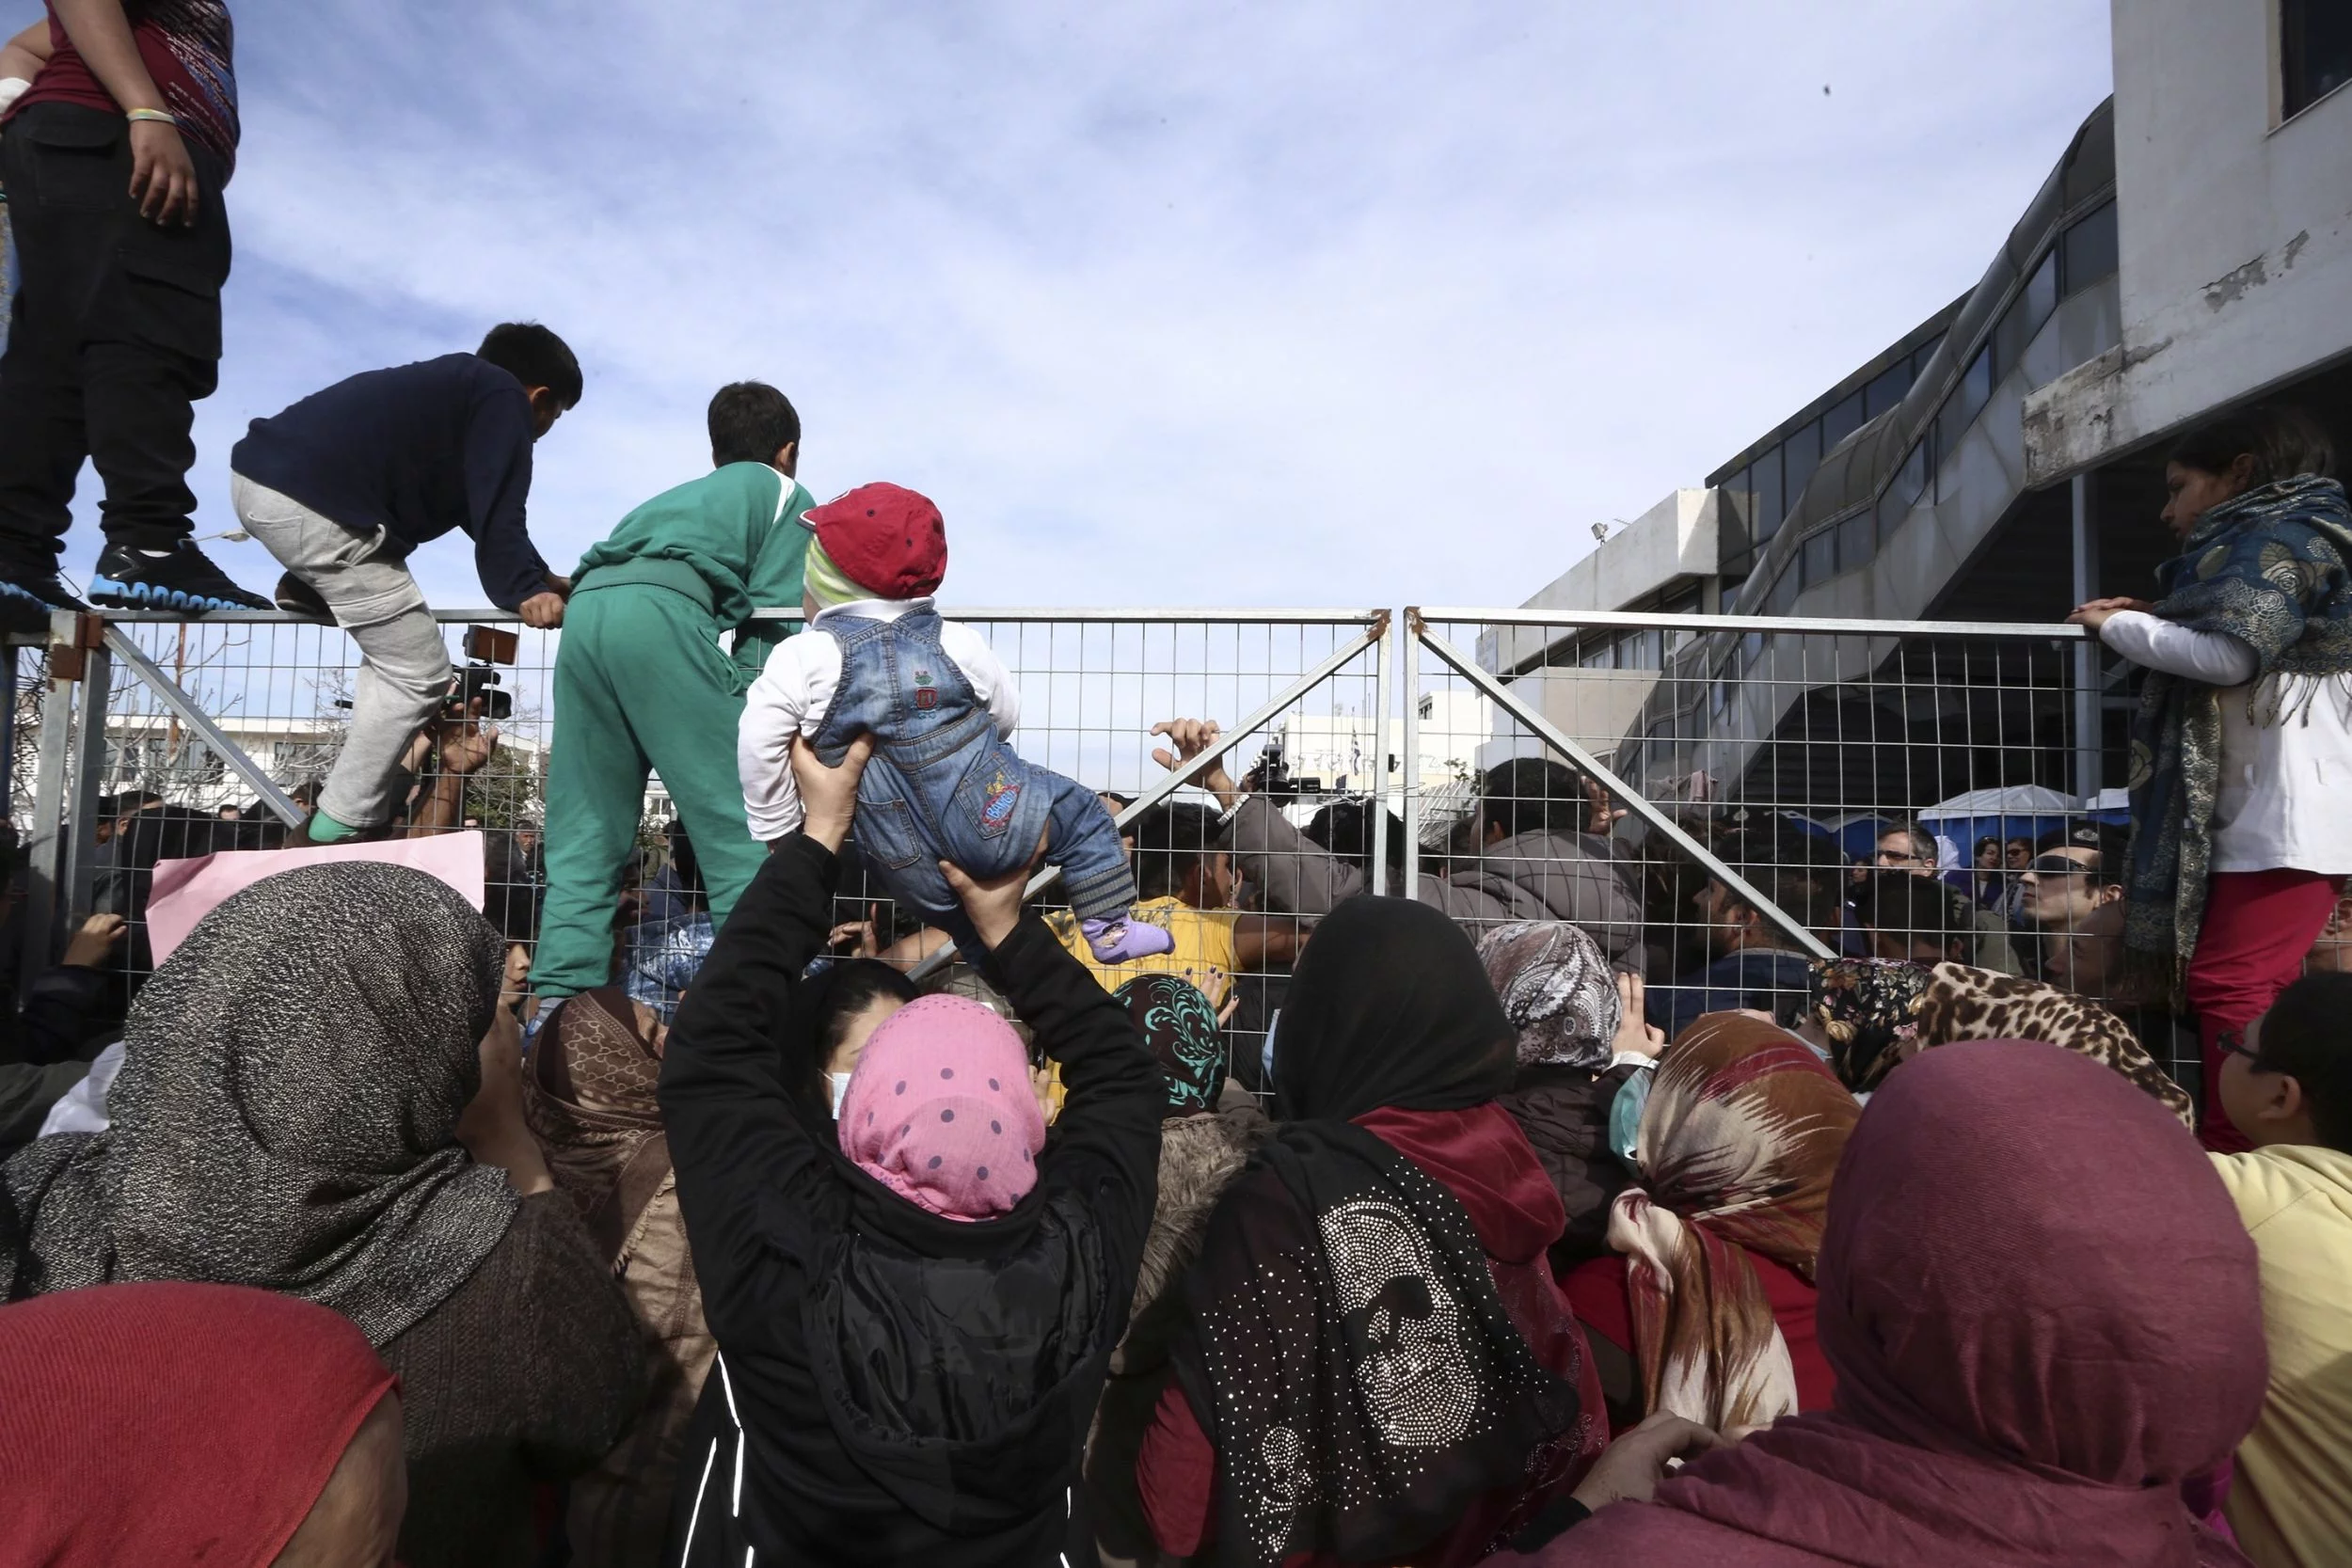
x=1118 y=942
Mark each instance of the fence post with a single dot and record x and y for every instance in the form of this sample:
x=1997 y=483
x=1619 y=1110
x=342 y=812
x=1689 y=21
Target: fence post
x=1408 y=649
x=88 y=768
x=1376 y=817
x=46 y=848
x=2090 y=716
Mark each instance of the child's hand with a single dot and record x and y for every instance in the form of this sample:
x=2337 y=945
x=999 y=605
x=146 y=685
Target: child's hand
x=99 y=936
x=829 y=794
x=995 y=906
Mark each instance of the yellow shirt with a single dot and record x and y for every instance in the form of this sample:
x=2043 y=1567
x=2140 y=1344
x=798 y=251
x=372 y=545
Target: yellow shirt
x=1203 y=953
x=2291 y=1501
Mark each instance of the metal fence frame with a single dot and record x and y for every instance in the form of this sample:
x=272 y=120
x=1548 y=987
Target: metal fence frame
x=85 y=650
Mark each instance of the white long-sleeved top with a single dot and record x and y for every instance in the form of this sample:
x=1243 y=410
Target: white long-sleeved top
x=2279 y=805
x=795 y=692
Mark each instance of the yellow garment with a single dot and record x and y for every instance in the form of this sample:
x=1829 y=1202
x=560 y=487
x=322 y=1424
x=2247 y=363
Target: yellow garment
x=2291 y=1501
x=1203 y=953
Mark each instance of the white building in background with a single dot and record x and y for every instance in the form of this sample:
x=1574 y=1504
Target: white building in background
x=1336 y=750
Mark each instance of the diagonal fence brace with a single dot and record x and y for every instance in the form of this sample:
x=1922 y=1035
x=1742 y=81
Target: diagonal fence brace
x=184 y=708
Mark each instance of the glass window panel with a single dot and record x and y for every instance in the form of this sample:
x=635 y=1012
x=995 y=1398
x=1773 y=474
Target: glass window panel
x=1769 y=510
x=2087 y=250
x=1785 y=590
x=2042 y=292
x=1857 y=541
x=1800 y=454
x=1821 y=556
x=2314 y=51
x=1842 y=420
x=1735 y=517
x=1885 y=389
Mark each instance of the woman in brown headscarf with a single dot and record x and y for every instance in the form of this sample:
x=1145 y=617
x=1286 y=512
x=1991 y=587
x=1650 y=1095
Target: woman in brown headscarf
x=588 y=1094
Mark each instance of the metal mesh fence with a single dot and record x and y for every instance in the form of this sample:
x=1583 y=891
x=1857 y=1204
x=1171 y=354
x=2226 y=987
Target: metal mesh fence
x=1912 y=790
x=275 y=694
x=1718 y=799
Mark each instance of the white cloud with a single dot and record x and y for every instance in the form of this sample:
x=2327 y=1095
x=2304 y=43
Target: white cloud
x=1311 y=304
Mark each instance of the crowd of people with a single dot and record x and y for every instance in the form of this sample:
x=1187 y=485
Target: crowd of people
x=816 y=1193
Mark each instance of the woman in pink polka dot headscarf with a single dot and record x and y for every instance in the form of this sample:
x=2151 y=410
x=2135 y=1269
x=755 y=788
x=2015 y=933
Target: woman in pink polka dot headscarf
x=940 y=1110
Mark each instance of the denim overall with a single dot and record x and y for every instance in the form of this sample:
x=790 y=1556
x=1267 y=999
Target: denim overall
x=944 y=785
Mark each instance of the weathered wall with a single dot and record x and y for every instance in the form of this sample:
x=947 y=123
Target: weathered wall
x=2235 y=234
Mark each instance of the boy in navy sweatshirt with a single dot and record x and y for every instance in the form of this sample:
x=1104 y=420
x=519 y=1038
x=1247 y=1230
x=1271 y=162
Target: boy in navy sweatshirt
x=344 y=484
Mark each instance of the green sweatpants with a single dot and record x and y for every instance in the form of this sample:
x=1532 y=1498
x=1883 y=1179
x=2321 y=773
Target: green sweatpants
x=641 y=685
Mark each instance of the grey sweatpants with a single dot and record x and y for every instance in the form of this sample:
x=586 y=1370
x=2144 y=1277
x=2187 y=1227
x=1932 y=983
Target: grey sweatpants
x=403 y=663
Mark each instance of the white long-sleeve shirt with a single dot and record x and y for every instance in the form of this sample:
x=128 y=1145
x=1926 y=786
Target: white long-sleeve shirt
x=2281 y=802
x=795 y=692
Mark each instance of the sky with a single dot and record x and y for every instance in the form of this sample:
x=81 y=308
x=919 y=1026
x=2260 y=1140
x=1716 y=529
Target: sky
x=1358 y=304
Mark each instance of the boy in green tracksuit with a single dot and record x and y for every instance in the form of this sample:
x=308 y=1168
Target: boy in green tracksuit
x=641 y=682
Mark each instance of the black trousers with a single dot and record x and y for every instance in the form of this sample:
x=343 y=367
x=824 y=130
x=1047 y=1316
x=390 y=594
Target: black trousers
x=115 y=334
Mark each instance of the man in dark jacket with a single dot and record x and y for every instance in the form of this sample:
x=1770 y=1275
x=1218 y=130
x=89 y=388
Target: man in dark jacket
x=1749 y=959
x=1537 y=860
x=893 y=1386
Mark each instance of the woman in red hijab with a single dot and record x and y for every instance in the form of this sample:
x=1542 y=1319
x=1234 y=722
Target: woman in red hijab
x=162 y=1423
x=2044 y=1318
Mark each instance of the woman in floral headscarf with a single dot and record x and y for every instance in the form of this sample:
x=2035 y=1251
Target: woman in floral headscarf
x=1711 y=1289
x=2244 y=736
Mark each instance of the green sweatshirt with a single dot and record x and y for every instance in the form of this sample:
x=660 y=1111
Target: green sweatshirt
x=732 y=538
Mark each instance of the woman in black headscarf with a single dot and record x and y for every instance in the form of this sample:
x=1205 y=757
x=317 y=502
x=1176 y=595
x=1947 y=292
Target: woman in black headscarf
x=1378 y=1365
x=302 y=1083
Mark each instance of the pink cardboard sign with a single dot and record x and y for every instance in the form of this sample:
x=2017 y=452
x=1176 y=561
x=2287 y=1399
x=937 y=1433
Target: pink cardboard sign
x=185 y=892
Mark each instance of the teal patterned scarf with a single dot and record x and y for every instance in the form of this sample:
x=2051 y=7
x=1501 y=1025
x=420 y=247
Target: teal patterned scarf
x=2269 y=568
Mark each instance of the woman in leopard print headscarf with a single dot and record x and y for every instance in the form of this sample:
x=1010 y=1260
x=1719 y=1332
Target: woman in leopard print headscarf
x=1964 y=1004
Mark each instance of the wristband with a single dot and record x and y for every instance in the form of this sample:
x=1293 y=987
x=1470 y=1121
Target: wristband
x=152 y=117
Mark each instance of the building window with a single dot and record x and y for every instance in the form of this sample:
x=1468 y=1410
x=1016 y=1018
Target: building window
x=1886 y=389
x=1821 y=558
x=2024 y=316
x=1799 y=456
x=2086 y=252
x=2314 y=51
x=1766 y=470
x=1856 y=541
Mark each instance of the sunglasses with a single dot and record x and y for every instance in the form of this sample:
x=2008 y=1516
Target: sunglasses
x=2059 y=866
x=2233 y=1041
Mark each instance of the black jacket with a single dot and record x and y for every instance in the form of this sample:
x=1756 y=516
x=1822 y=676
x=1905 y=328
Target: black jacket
x=896 y=1387
x=1565 y=1113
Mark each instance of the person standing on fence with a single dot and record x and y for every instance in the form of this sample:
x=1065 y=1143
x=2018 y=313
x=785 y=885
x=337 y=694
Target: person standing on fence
x=115 y=159
x=2243 y=744
x=343 y=485
x=641 y=684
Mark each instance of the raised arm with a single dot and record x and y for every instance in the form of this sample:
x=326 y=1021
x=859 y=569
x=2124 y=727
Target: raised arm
x=777 y=562
x=21 y=56
x=163 y=176
x=1296 y=875
x=796 y=685
x=498 y=496
x=1107 y=1141
x=737 y=1090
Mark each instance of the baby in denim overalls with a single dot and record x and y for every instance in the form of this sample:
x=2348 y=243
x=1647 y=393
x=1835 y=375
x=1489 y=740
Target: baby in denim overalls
x=943 y=784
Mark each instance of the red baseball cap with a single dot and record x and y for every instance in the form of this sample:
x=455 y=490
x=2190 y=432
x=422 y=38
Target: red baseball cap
x=888 y=540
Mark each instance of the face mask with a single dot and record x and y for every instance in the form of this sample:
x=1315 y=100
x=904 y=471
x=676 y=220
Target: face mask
x=840 y=1083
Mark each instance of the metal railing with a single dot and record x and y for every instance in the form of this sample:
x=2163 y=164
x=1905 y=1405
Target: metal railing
x=1729 y=776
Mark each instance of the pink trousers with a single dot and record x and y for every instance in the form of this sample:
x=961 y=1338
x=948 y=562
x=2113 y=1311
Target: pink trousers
x=2258 y=927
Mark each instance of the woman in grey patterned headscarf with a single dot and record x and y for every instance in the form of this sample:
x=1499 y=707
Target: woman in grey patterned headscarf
x=287 y=1117
x=1557 y=990
x=1562 y=997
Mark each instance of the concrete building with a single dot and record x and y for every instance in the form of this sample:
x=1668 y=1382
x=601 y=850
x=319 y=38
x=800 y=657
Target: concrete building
x=2002 y=460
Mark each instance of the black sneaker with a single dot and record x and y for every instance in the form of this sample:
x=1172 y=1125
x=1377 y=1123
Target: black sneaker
x=182 y=578
x=26 y=601
x=297 y=598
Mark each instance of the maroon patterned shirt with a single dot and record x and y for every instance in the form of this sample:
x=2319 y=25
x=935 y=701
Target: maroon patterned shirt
x=189 y=47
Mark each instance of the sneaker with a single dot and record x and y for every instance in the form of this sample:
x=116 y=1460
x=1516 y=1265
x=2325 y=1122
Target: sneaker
x=182 y=578
x=1119 y=942
x=297 y=598
x=45 y=589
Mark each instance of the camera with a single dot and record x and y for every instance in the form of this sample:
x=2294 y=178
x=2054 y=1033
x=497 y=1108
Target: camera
x=486 y=647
